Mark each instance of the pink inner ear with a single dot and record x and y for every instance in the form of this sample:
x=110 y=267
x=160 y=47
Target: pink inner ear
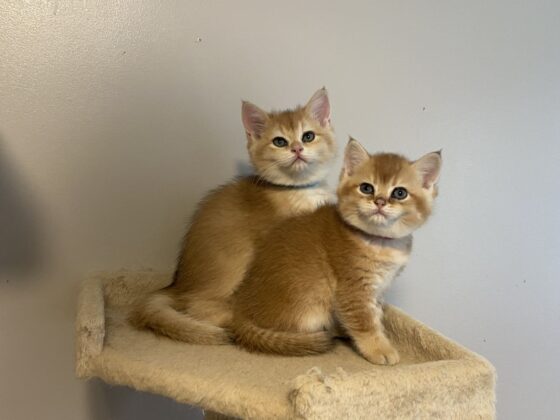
x=319 y=107
x=354 y=156
x=429 y=179
x=254 y=119
x=428 y=167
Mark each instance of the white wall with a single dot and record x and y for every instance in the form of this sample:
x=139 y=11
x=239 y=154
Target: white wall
x=114 y=121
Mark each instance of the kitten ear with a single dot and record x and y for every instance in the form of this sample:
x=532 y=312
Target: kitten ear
x=254 y=119
x=428 y=168
x=354 y=156
x=319 y=107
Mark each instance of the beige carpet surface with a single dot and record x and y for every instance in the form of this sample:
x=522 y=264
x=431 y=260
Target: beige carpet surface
x=436 y=378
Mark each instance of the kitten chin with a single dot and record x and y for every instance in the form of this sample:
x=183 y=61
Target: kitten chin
x=376 y=226
x=312 y=173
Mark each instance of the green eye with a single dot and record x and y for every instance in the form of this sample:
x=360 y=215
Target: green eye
x=308 y=137
x=279 y=142
x=399 y=193
x=366 y=188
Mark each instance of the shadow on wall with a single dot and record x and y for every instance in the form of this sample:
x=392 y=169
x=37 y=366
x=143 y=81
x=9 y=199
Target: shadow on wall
x=21 y=251
x=244 y=168
x=122 y=403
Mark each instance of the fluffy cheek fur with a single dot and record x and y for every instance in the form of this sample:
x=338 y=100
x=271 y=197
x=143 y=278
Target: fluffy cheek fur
x=276 y=164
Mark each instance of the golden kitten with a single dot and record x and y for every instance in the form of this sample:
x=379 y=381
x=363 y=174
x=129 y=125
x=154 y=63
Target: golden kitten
x=291 y=152
x=327 y=269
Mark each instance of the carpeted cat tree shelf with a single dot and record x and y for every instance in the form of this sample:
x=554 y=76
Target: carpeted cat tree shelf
x=436 y=378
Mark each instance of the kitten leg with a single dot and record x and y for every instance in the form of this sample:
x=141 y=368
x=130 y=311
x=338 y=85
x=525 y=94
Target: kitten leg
x=363 y=321
x=374 y=345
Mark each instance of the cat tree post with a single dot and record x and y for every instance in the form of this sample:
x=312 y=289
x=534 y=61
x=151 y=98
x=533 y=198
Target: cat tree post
x=436 y=377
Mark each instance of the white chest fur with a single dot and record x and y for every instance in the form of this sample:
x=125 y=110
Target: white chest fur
x=302 y=200
x=384 y=275
x=389 y=259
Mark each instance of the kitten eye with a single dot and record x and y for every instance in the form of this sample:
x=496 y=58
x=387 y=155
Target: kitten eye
x=366 y=188
x=399 y=193
x=279 y=142
x=308 y=137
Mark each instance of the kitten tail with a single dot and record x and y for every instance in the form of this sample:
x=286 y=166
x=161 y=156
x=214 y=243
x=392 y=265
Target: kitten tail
x=156 y=313
x=254 y=338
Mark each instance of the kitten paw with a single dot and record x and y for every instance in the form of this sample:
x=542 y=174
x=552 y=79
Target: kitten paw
x=384 y=355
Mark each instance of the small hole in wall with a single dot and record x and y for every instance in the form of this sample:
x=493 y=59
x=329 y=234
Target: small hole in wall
x=198 y=40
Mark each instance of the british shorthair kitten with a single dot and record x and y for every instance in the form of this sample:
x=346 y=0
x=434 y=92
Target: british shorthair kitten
x=291 y=152
x=327 y=269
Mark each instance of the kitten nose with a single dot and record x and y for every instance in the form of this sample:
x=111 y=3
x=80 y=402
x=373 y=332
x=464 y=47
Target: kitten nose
x=297 y=149
x=380 y=201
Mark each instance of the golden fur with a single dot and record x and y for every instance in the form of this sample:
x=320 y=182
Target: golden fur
x=220 y=242
x=330 y=267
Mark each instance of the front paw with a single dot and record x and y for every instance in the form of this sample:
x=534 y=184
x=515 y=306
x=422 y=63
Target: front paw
x=384 y=354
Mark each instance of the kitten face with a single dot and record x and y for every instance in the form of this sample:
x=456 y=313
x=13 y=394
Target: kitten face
x=386 y=194
x=293 y=147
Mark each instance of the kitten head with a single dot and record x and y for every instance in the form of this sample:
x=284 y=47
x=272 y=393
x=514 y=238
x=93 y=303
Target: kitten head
x=293 y=147
x=386 y=194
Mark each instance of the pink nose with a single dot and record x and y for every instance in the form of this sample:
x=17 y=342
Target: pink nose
x=380 y=202
x=297 y=149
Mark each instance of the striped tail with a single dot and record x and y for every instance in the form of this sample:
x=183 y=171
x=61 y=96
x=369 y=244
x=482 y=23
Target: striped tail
x=156 y=313
x=257 y=339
